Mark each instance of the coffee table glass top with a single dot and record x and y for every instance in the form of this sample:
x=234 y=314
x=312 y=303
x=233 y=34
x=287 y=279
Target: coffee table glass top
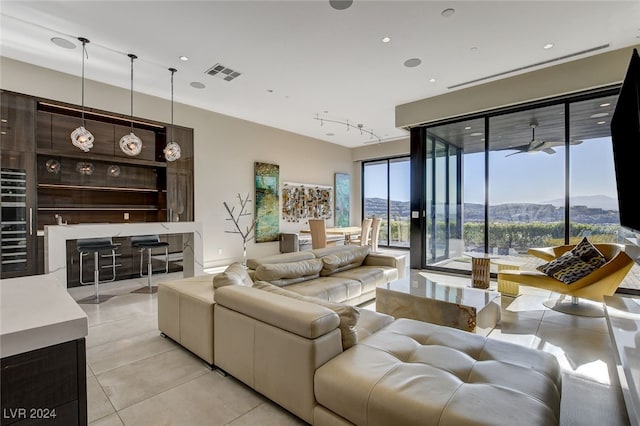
x=417 y=284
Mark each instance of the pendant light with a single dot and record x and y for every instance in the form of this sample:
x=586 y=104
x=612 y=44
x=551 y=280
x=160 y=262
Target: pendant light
x=81 y=137
x=172 y=150
x=131 y=144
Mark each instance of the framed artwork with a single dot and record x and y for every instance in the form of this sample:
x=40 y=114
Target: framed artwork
x=343 y=199
x=302 y=201
x=267 y=202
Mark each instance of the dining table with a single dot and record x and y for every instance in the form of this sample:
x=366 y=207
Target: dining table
x=345 y=231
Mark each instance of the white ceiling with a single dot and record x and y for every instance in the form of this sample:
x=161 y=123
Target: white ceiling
x=300 y=59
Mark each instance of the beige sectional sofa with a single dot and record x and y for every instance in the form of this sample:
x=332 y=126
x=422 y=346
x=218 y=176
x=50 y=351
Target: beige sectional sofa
x=345 y=274
x=399 y=372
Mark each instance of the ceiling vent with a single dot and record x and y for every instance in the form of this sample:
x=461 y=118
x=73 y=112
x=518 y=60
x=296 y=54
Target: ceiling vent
x=223 y=72
x=571 y=55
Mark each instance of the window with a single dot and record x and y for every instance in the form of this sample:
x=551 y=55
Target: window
x=386 y=194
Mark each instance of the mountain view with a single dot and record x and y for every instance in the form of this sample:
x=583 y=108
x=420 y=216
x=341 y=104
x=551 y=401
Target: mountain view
x=598 y=209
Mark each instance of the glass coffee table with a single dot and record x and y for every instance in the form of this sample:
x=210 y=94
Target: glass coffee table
x=417 y=297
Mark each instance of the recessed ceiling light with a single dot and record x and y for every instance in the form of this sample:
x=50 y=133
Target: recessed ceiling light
x=598 y=115
x=475 y=134
x=432 y=80
x=468 y=128
x=474 y=49
x=270 y=90
x=326 y=112
x=601 y=122
x=63 y=42
x=197 y=85
x=340 y=4
x=606 y=104
x=548 y=46
x=183 y=58
x=386 y=39
x=447 y=13
x=413 y=62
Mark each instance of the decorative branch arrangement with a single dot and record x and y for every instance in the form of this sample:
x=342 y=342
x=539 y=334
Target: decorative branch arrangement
x=247 y=234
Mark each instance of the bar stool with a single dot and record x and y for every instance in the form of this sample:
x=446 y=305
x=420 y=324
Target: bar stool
x=149 y=242
x=97 y=246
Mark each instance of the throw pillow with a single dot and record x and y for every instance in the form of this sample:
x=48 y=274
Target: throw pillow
x=344 y=260
x=348 y=314
x=575 y=264
x=289 y=273
x=589 y=253
x=235 y=274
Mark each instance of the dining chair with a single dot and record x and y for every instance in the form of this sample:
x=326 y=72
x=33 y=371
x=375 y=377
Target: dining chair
x=318 y=228
x=375 y=230
x=365 y=232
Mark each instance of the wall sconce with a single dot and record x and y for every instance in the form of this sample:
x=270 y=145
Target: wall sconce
x=84 y=168
x=52 y=166
x=113 y=170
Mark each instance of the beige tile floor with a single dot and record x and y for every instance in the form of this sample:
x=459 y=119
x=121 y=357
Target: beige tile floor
x=136 y=377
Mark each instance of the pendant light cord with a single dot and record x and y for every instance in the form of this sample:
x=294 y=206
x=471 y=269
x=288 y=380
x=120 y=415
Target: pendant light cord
x=173 y=70
x=84 y=41
x=132 y=56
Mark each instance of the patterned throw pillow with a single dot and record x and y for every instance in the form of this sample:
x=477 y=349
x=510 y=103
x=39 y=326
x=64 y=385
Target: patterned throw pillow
x=577 y=263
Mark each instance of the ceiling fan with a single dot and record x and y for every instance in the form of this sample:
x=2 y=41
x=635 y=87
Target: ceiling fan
x=538 y=145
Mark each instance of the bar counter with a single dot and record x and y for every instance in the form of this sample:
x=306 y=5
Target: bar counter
x=56 y=237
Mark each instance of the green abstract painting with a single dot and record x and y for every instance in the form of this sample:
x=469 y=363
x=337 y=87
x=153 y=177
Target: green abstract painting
x=343 y=192
x=267 y=202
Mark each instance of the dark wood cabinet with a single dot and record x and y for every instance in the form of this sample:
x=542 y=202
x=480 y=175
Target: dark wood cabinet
x=17 y=123
x=180 y=178
x=18 y=186
x=45 y=386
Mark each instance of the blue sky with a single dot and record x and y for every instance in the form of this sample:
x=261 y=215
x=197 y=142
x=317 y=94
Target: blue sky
x=521 y=178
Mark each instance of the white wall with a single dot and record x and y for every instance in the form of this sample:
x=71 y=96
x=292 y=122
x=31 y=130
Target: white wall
x=225 y=151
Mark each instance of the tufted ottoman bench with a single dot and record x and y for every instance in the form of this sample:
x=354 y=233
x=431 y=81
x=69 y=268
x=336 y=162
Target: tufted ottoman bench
x=412 y=372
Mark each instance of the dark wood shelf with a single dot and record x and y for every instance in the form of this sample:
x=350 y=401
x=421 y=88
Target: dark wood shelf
x=97 y=208
x=98 y=157
x=96 y=188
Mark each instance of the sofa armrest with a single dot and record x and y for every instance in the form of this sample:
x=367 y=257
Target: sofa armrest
x=396 y=261
x=295 y=316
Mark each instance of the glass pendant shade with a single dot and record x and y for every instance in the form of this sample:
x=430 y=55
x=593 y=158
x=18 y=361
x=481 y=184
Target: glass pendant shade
x=81 y=137
x=172 y=151
x=131 y=144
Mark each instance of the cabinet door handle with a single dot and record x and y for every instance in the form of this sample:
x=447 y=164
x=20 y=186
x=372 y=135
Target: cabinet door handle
x=30 y=220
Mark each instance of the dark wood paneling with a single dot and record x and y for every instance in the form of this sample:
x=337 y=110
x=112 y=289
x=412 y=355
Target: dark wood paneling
x=180 y=178
x=17 y=122
x=43 y=130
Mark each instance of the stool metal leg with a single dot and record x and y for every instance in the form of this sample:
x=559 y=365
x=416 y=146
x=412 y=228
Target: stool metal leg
x=149 y=269
x=96 y=275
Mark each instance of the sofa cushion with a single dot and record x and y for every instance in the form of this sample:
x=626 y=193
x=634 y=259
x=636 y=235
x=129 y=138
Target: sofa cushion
x=289 y=273
x=333 y=289
x=280 y=258
x=348 y=314
x=235 y=274
x=344 y=260
x=574 y=264
x=369 y=276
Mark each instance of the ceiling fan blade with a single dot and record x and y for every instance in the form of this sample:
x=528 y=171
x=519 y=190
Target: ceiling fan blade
x=549 y=150
x=514 y=153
